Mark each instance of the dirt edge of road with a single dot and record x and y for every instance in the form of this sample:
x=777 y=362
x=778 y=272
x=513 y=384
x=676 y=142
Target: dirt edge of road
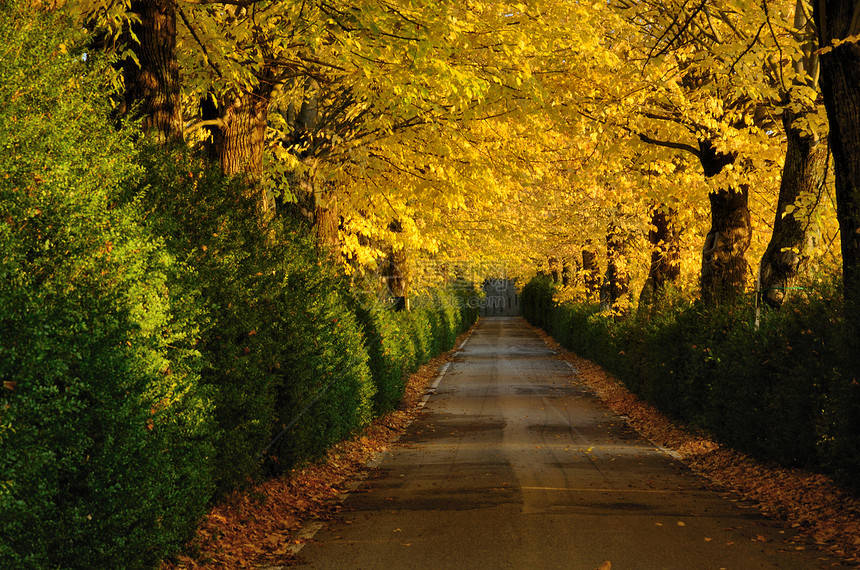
x=814 y=504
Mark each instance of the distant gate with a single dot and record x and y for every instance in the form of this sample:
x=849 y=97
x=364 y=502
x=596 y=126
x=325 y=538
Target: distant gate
x=500 y=298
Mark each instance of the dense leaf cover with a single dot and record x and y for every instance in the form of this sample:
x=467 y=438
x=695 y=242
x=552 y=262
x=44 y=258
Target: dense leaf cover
x=106 y=439
x=169 y=332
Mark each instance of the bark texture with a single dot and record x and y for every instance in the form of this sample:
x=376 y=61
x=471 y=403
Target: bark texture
x=840 y=86
x=803 y=173
x=665 y=268
x=152 y=84
x=239 y=140
x=724 y=267
x=396 y=273
x=327 y=223
x=591 y=272
x=616 y=281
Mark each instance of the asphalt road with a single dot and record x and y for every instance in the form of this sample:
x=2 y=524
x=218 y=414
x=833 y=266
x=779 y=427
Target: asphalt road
x=515 y=464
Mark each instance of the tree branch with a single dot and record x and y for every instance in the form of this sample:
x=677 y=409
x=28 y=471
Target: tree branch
x=667 y=144
x=199 y=42
x=200 y=124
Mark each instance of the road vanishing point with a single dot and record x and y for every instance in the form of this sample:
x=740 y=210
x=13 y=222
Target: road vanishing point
x=515 y=463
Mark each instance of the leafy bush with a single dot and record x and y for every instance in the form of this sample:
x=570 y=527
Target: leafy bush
x=536 y=301
x=105 y=434
x=391 y=358
x=398 y=343
x=282 y=349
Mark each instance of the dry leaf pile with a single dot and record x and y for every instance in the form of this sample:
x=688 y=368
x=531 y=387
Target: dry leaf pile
x=812 y=503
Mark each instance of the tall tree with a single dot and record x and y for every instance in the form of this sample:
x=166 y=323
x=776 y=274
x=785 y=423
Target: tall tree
x=705 y=90
x=804 y=169
x=838 y=23
x=665 y=267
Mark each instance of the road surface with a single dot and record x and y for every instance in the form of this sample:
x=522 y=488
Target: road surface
x=515 y=464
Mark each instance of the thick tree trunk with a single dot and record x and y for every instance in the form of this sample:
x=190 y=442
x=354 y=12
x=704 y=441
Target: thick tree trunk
x=239 y=141
x=327 y=224
x=568 y=273
x=397 y=272
x=552 y=264
x=591 y=272
x=803 y=173
x=665 y=268
x=152 y=83
x=840 y=86
x=616 y=281
x=724 y=268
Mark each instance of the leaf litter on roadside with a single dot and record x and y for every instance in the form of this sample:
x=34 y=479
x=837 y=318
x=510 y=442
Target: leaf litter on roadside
x=811 y=503
x=256 y=526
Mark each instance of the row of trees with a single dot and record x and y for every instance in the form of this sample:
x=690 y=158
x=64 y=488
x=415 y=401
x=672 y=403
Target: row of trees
x=448 y=129
x=164 y=316
x=162 y=341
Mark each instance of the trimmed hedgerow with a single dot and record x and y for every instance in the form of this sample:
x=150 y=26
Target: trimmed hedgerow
x=158 y=343
x=282 y=349
x=105 y=433
x=785 y=391
x=399 y=341
x=391 y=351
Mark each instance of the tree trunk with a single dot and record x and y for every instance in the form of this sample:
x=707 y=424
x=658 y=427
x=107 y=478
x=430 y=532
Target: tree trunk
x=568 y=273
x=397 y=272
x=552 y=264
x=840 y=86
x=327 y=223
x=803 y=173
x=665 y=268
x=239 y=141
x=724 y=267
x=616 y=282
x=591 y=272
x=152 y=84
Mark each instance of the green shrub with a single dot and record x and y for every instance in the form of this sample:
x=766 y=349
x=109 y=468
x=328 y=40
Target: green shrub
x=283 y=351
x=536 y=301
x=105 y=447
x=391 y=351
x=397 y=345
x=327 y=391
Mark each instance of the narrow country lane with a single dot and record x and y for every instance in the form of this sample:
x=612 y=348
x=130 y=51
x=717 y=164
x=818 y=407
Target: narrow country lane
x=515 y=464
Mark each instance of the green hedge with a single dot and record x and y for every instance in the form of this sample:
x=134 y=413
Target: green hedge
x=105 y=432
x=159 y=345
x=288 y=352
x=787 y=391
x=282 y=347
x=398 y=342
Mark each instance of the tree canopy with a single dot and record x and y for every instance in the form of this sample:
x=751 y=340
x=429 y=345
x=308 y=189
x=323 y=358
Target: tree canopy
x=522 y=132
